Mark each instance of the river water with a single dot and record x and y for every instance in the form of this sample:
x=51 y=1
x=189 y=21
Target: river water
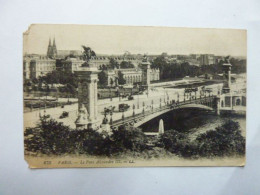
x=192 y=121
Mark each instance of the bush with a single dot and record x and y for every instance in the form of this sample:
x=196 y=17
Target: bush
x=49 y=137
x=225 y=140
x=173 y=141
x=52 y=137
x=129 y=138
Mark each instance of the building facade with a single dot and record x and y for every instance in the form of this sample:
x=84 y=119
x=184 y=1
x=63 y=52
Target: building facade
x=100 y=61
x=207 y=59
x=41 y=66
x=26 y=68
x=131 y=76
x=72 y=64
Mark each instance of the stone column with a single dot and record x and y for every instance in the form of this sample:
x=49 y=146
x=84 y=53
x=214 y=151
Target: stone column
x=227 y=77
x=146 y=74
x=87 y=98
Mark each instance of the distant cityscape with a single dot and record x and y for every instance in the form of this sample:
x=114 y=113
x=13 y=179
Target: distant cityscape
x=36 y=65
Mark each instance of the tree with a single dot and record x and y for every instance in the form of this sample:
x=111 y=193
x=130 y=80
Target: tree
x=125 y=64
x=52 y=137
x=71 y=89
x=224 y=140
x=173 y=141
x=121 y=79
x=129 y=138
x=102 y=78
x=61 y=77
x=113 y=64
x=111 y=82
x=49 y=137
x=173 y=70
x=159 y=62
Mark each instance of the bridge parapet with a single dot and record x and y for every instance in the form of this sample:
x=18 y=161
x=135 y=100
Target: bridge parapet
x=206 y=103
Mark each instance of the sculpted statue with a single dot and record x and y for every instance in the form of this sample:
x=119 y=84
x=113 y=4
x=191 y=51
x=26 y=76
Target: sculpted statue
x=88 y=54
x=227 y=59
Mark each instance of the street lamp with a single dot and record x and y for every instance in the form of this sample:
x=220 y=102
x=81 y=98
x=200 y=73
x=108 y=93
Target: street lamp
x=143 y=107
x=44 y=111
x=138 y=87
x=110 y=94
x=105 y=117
x=138 y=100
x=123 y=116
x=111 y=119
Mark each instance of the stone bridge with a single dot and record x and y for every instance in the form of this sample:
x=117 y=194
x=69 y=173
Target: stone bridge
x=205 y=103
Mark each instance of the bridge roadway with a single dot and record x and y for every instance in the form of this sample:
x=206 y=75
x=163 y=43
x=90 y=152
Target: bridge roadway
x=143 y=117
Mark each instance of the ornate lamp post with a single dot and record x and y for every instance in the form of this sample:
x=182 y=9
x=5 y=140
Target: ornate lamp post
x=44 y=111
x=143 y=107
x=133 y=110
x=111 y=119
x=110 y=94
x=105 y=116
x=138 y=98
x=123 y=116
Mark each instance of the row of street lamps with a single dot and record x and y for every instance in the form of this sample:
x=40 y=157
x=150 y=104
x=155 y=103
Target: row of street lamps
x=152 y=105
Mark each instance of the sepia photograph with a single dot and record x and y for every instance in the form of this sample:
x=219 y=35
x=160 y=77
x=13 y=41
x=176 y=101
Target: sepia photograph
x=131 y=96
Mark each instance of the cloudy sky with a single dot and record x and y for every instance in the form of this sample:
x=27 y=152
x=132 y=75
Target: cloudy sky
x=151 y=40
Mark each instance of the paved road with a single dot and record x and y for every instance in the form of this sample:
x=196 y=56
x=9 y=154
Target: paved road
x=155 y=97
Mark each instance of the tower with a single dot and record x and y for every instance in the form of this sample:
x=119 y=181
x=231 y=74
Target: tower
x=54 y=49
x=146 y=71
x=227 y=77
x=226 y=97
x=49 y=51
x=87 y=98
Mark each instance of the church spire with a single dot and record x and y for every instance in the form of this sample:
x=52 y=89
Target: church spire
x=54 y=44
x=54 y=49
x=49 y=51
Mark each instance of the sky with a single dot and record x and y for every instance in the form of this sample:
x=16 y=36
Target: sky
x=150 y=40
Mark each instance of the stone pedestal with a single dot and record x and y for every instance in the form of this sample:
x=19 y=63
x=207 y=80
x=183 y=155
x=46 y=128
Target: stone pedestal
x=87 y=98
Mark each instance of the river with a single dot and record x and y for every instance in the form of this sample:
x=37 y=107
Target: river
x=192 y=121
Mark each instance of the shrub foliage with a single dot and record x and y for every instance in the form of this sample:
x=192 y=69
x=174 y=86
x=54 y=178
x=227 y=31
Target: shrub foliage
x=52 y=137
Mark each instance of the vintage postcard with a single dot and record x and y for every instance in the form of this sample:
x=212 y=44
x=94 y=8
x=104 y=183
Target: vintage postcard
x=127 y=96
